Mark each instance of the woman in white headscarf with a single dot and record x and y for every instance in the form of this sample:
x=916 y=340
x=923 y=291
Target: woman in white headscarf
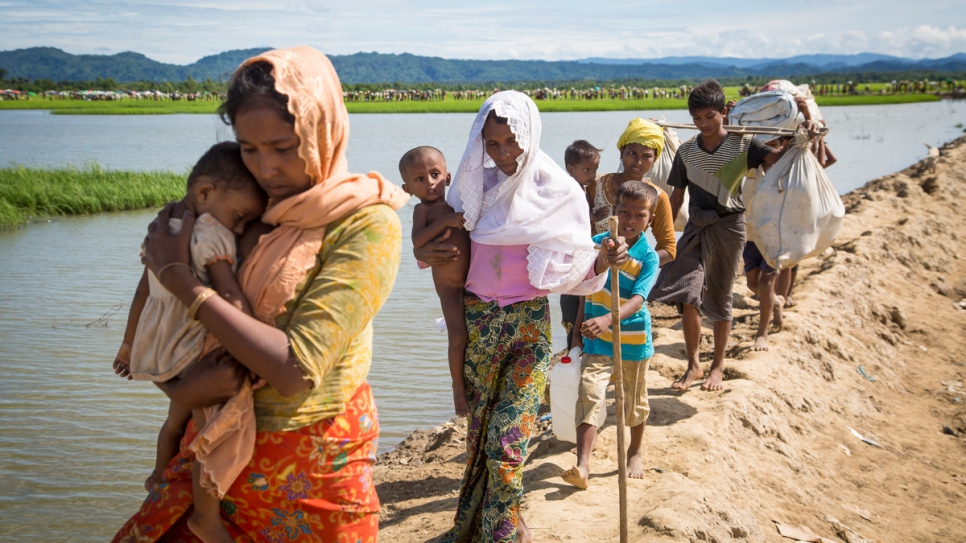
x=530 y=235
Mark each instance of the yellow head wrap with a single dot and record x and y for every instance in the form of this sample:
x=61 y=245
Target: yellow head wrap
x=644 y=132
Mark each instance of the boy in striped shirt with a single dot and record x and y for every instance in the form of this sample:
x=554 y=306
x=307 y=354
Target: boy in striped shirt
x=636 y=201
x=710 y=167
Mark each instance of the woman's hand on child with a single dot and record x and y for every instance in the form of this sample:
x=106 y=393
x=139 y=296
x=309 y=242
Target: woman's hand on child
x=437 y=252
x=161 y=247
x=122 y=362
x=595 y=326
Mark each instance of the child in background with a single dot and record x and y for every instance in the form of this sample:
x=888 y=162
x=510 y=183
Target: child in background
x=163 y=341
x=636 y=202
x=581 y=160
x=424 y=175
x=711 y=166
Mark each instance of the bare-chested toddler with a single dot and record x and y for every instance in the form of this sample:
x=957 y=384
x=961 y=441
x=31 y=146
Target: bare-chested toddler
x=424 y=175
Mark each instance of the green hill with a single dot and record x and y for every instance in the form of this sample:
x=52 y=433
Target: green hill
x=364 y=68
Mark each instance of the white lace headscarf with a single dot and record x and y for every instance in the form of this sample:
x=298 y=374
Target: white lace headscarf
x=539 y=206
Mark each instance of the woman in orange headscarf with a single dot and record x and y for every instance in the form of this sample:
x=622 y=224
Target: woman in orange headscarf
x=316 y=271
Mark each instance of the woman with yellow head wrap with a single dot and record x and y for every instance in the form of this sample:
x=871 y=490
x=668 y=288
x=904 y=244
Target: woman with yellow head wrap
x=640 y=146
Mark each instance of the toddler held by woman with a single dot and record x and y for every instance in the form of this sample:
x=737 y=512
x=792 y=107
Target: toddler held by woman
x=163 y=340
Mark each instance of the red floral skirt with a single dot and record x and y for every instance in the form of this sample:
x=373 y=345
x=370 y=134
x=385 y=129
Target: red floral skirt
x=310 y=484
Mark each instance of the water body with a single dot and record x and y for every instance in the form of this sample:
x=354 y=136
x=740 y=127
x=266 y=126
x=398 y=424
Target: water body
x=76 y=442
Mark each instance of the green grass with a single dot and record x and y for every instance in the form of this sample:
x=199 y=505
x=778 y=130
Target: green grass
x=132 y=107
x=120 y=107
x=26 y=193
x=875 y=99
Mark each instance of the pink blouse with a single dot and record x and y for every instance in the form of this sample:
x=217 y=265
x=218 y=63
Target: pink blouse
x=499 y=272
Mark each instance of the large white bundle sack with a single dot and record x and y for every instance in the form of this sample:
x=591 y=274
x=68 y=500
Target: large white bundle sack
x=661 y=170
x=772 y=109
x=793 y=212
x=802 y=90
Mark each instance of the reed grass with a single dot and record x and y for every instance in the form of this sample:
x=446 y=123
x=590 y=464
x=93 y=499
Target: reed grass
x=28 y=193
x=112 y=107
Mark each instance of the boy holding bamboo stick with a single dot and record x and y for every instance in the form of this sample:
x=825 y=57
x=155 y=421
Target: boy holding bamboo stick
x=636 y=202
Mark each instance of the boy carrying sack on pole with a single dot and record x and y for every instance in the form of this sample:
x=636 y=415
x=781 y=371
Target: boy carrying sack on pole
x=710 y=167
x=636 y=202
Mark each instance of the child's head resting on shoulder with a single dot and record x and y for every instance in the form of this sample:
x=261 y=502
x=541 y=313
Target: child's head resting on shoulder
x=706 y=95
x=582 y=160
x=636 y=202
x=424 y=174
x=221 y=185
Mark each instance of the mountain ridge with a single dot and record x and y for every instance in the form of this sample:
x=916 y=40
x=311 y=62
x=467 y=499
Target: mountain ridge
x=371 y=67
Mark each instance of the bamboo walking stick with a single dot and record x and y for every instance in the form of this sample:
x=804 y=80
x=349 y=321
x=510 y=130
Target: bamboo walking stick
x=738 y=129
x=615 y=313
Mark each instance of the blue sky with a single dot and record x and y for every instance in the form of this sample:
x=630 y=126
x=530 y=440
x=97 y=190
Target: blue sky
x=183 y=31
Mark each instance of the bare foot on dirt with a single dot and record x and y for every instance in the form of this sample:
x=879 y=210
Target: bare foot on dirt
x=462 y=406
x=209 y=530
x=778 y=318
x=790 y=302
x=714 y=381
x=761 y=344
x=689 y=376
x=523 y=533
x=576 y=477
x=635 y=466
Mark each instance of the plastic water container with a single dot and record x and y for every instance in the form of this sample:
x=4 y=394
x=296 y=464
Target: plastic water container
x=564 y=384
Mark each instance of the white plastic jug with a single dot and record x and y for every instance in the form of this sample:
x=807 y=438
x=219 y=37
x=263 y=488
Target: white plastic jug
x=564 y=384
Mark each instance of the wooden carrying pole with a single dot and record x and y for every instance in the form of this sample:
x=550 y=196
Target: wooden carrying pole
x=738 y=129
x=615 y=313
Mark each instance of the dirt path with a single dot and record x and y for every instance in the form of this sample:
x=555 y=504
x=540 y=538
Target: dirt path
x=775 y=445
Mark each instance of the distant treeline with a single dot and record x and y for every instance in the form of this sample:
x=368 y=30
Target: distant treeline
x=210 y=86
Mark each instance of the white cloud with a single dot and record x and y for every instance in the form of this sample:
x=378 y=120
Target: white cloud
x=184 y=31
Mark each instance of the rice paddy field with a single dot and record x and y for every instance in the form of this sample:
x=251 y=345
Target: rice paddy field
x=162 y=107
x=28 y=194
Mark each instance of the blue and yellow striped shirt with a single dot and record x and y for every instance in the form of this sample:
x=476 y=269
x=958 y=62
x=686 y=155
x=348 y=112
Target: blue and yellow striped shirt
x=637 y=276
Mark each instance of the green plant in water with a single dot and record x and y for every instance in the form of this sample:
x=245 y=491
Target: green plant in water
x=39 y=192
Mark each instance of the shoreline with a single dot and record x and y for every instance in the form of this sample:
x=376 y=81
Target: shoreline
x=135 y=107
x=874 y=344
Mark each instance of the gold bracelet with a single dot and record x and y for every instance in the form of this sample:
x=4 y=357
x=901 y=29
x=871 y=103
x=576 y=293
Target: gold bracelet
x=196 y=305
x=171 y=265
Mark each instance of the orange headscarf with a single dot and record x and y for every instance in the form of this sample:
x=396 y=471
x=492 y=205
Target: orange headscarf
x=282 y=258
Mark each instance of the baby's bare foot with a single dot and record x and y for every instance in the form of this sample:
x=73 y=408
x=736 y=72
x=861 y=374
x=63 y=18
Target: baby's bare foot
x=209 y=529
x=152 y=480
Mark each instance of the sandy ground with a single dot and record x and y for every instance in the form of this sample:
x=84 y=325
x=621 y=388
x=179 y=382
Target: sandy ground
x=775 y=445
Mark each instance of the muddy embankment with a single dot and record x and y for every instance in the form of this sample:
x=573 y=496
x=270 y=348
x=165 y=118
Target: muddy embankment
x=876 y=344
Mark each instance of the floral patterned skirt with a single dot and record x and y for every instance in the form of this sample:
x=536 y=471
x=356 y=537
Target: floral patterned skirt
x=310 y=484
x=505 y=372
